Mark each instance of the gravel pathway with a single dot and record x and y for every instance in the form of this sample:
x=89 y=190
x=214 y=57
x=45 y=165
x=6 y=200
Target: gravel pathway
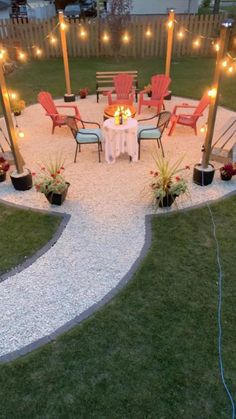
x=106 y=231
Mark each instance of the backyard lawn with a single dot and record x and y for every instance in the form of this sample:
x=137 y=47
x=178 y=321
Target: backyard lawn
x=191 y=76
x=152 y=351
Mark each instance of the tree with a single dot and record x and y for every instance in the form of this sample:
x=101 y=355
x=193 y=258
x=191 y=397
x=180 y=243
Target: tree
x=117 y=19
x=216 y=7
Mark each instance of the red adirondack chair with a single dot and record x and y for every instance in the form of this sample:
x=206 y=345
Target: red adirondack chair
x=160 y=84
x=189 y=120
x=45 y=99
x=123 y=88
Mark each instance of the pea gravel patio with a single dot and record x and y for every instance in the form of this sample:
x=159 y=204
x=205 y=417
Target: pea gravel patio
x=106 y=231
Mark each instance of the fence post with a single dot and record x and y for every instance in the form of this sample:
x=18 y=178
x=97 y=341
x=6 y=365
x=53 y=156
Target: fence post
x=68 y=97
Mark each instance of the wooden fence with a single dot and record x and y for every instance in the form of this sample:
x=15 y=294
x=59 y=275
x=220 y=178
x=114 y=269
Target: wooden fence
x=26 y=35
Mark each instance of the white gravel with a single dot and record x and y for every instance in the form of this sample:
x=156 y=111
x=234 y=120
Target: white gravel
x=105 y=234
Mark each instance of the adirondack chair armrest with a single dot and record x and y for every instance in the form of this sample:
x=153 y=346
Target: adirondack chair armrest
x=69 y=107
x=183 y=106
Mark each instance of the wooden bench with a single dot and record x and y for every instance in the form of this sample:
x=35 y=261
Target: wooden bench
x=224 y=148
x=104 y=82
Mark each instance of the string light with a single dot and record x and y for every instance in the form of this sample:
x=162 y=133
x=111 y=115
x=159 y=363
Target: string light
x=170 y=24
x=1 y=55
x=38 y=52
x=230 y=69
x=83 y=33
x=224 y=63
x=13 y=95
x=63 y=26
x=53 y=40
x=217 y=47
x=126 y=38
x=22 y=55
x=21 y=134
x=212 y=92
x=203 y=129
x=148 y=33
x=105 y=37
x=196 y=43
x=180 y=34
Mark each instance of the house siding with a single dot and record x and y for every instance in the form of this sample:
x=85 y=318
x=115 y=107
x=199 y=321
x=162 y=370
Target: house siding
x=140 y=7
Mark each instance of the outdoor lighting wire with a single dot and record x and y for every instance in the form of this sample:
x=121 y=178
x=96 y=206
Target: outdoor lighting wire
x=219 y=314
x=219 y=310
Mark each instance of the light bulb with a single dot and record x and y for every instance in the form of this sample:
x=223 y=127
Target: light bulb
x=170 y=24
x=217 y=47
x=63 y=26
x=38 y=52
x=126 y=38
x=230 y=69
x=196 y=43
x=82 y=33
x=21 y=134
x=148 y=33
x=53 y=40
x=105 y=37
x=13 y=96
x=212 y=92
x=22 y=55
x=224 y=63
x=180 y=34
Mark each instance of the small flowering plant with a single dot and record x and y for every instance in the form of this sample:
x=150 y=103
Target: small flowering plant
x=17 y=105
x=51 y=178
x=4 y=165
x=166 y=180
x=83 y=92
x=228 y=170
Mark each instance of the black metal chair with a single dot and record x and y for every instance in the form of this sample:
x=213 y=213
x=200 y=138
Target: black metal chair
x=85 y=135
x=153 y=132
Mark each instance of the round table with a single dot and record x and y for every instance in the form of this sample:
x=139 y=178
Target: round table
x=110 y=110
x=120 y=139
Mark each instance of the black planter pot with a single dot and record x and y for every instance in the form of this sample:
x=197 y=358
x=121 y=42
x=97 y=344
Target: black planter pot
x=167 y=201
x=22 y=182
x=2 y=176
x=18 y=113
x=202 y=176
x=149 y=94
x=225 y=176
x=57 y=198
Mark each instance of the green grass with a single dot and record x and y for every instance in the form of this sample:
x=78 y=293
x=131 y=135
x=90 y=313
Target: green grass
x=151 y=352
x=191 y=76
x=22 y=233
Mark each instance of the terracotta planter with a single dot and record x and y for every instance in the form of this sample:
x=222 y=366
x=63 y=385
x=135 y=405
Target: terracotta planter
x=57 y=198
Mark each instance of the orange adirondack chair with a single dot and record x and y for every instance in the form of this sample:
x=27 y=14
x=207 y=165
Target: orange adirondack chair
x=160 y=84
x=123 y=88
x=45 y=99
x=189 y=120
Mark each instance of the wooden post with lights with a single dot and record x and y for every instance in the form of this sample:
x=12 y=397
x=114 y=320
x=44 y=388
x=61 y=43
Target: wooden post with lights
x=214 y=93
x=170 y=25
x=68 y=97
x=9 y=122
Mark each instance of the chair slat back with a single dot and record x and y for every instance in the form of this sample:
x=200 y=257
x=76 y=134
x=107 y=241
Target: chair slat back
x=72 y=124
x=123 y=85
x=45 y=99
x=163 y=120
x=160 y=83
x=204 y=102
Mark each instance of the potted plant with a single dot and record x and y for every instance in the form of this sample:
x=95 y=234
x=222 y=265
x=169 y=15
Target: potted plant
x=4 y=166
x=17 y=106
x=227 y=171
x=166 y=184
x=51 y=182
x=83 y=92
x=148 y=90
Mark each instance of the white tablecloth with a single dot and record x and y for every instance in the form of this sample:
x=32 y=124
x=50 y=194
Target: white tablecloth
x=120 y=139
